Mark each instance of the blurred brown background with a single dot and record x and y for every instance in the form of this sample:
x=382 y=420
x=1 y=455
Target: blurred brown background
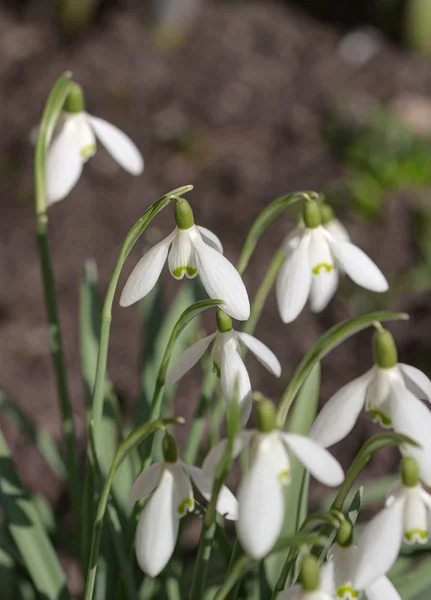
x=247 y=101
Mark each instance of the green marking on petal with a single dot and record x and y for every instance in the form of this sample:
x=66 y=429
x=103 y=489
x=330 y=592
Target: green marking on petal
x=180 y=271
x=186 y=505
x=284 y=477
x=217 y=369
x=381 y=418
x=347 y=592
x=416 y=536
x=326 y=266
x=88 y=151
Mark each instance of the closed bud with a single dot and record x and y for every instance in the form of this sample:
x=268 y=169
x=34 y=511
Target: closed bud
x=183 y=214
x=75 y=100
x=384 y=349
x=310 y=574
x=265 y=416
x=409 y=471
x=170 y=448
x=312 y=215
x=224 y=322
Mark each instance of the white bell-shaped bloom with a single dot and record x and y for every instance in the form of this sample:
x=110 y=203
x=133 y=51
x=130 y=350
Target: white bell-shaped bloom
x=192 y=251
x=339 y=577
x=310 y=270
x=172 y=498
x=227 y=361
x=75 y=143
x=260 y=494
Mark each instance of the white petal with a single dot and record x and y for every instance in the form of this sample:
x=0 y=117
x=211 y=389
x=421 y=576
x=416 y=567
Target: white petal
x=188 y=359
x=260 y=505
x=234 y=373
x=293 y=593
x=221 y=280
x=210 y=238
x=339 y=415
x=292 y=240
x=146 y=482
x=416 y=381
x=416 y=517
x=379 y=545
x=320 y=255
x=326 y=581
x=382 y=589
x=294 y=281
x=379 y=392
x=119 y=145
x=337 y=230
x=323 y=287
x=358 y=266
x=227 y=504
x=182 y=257
x=344 y=560
x=183 y=490
x=263 y=354
x=318 y=461
x=63 y=165
x=146 y=273
x=213 y=457
x=157 y=530
x=411 y=417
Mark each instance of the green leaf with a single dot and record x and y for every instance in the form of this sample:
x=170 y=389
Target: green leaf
x=28 y=533
x=296 y=493
x=265 y=218
x=332 y=338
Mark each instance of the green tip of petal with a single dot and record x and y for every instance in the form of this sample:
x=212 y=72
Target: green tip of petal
x=310 y=573
x=266 y=415
x=224 y=322
x=416 y=536
x=170 y=448
x=346 y=591
x=410 y=471
x=75 y=102
x=183 y=214
x=312 y=215
x=384 y=348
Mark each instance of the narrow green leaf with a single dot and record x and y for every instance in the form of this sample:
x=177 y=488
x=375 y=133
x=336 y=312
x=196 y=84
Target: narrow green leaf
x=296 y=493
x=28 y=533
x=332 y=338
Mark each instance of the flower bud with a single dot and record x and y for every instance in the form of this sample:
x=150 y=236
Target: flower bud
x=183 y=214
x=224 y=322
x=327 y=213
x=310 y=574
x=344 y=534
x=409 y=471
x=75 y=100
x=312 y=215
x=170 y=448
x=265 y=416
x=384 y=349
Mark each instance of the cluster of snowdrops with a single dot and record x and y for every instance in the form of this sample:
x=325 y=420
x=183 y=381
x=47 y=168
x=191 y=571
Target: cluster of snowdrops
x=325 y=560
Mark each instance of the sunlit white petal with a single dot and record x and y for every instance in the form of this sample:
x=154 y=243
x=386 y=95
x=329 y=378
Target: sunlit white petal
x=292 y=241
x=323 y=287
x=294 y=281
x=263 y=354
x=182 y=257
x=416 y=517
x=416 y=381
x=119 y=145
x=188 y=359
x=146 y=273
x=210 y=238
x=227 y=504
x=146 y=482
x=382 y=589
x=213 y=457
x=339 y=415
x=183 y=489
x=378 y=401
x=318 y=461
x=63 y=166
x=234 y=379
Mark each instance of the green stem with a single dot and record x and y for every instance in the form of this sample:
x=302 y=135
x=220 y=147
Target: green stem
x=236 y=554
x=50 y=116
x=202 y=559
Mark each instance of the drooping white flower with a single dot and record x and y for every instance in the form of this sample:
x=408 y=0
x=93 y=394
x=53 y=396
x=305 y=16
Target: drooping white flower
x=193 y=250
x=391 y=392
x=75 y=143
x=260 y=494
x=227 y=361
x=169 y=484
x=313 y=256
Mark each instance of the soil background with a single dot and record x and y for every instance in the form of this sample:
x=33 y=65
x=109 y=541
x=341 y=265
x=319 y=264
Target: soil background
x=238 y=111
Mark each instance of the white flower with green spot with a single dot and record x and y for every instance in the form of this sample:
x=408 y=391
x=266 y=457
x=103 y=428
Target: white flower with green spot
x=228 y=363
x=191 y=250
x=75 y=143
x=313 y=258
x=170 y=486
x=391 y=392
x=260 y=494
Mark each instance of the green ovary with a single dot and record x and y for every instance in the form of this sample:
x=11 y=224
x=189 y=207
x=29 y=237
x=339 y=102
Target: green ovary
x=186 y=505
x=326 y=266
x=346 y=592
x=179 y=272
x=88 y=151
x=416 y=536
x=380 y=417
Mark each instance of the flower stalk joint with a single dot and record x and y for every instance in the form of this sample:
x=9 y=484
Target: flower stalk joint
x=183 y=214
x=75 y=102
x=385 y=350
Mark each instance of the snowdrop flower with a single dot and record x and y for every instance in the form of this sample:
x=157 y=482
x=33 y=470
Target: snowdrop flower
x=405 y=518
x=169 y=482
x=344 y=577
x=390 y=391
x=313 y=258
x=260 y=495
x=227 y=361
x=333 y=225
x=75 y=143
x=311 y=587
x=193 y=250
